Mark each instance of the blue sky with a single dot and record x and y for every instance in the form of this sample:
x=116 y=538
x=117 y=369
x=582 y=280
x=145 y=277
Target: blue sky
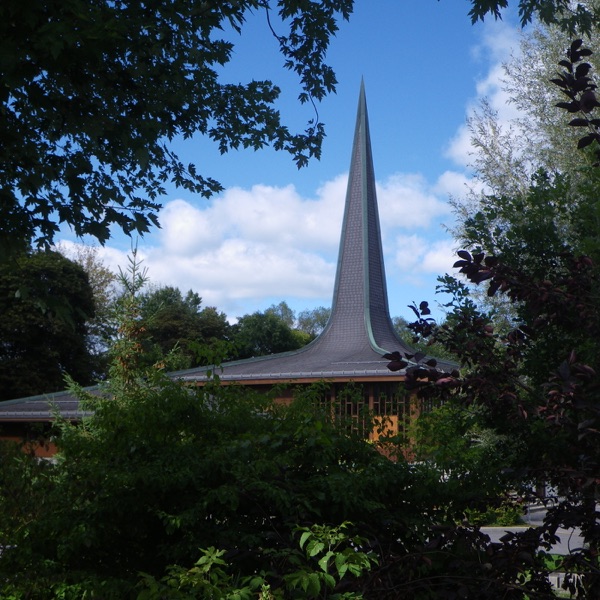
x=273 y=234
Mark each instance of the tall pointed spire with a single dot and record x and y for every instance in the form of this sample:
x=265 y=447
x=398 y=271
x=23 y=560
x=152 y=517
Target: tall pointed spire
x=360 y=301
x=359 y=330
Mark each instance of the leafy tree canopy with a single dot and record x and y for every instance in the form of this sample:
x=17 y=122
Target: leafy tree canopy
x=39 y=342
x=569 y=15
x=402 y=328
x=102 y=328
x=259 y=334
x=92 y=93
x=174 y=322
x=535 y=385
x=289 y=498
x=537 y=225
x=284 y=312
x=530 y=182
x=313 y=321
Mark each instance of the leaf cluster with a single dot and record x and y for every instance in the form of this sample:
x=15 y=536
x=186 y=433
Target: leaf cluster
x=550 y=420
x=259 y=334
x=160 y=470
x=93 y=93
x=528 y=394
x=569 y=16
x=176 y=325
x=46 y=303
x=576 y=83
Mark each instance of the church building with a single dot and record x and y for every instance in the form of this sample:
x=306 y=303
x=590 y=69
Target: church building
x=349 y=349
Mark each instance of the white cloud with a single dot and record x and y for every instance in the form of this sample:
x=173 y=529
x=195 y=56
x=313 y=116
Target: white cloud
x=459 y=148
x=408 y=252
x=499 y=42
x=416 y=256
x=263 y=213
x=112 y=258
x=408 y=201
x=240 y=269
x=415 y=266
x=452 y=183
x=498 y=39
x=439 y=257
x=187 y=229
x=250 y=247
x=268 y=242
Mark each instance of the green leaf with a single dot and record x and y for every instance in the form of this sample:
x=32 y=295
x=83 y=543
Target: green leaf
x=324 y=562
x=314 y=548
x=341 y=564
x=313 y=587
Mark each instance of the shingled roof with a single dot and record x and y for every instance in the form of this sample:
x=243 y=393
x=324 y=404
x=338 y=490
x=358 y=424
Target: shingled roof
x=41 y=408
x=359 y=330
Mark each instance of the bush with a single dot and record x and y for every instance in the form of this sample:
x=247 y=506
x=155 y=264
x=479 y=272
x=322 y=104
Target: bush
x=504 y=515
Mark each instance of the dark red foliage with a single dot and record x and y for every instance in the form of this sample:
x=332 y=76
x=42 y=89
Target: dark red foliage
x=556 y=417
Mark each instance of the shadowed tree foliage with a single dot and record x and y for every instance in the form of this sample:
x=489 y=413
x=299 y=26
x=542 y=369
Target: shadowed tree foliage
x=305 y=326
x=174 y=323
x=168 y=491
x=42 y=342
x=102 y=327
x=89 y=113
x=538 y=230
x=92 y=94
x=276 y=501
x=402 y=327
x=513 y=155
x=571 y=16
x=259 y=334
x=536 y=385
x=548 y=407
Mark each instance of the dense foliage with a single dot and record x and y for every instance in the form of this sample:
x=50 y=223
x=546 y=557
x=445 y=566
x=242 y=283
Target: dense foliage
x=168 y=491
x=263 y=333
x=535 y=386
x=92 y=94
x=178 y=332
x=176 y=492
x=163 y=474
x=571 y=16
x=40 y=342
x=313 y=321
x=178 y=324
x=519 y=147
x=105 y=289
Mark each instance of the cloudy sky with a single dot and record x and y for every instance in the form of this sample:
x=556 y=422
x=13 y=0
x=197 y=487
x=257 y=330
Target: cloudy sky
x=273 y=234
